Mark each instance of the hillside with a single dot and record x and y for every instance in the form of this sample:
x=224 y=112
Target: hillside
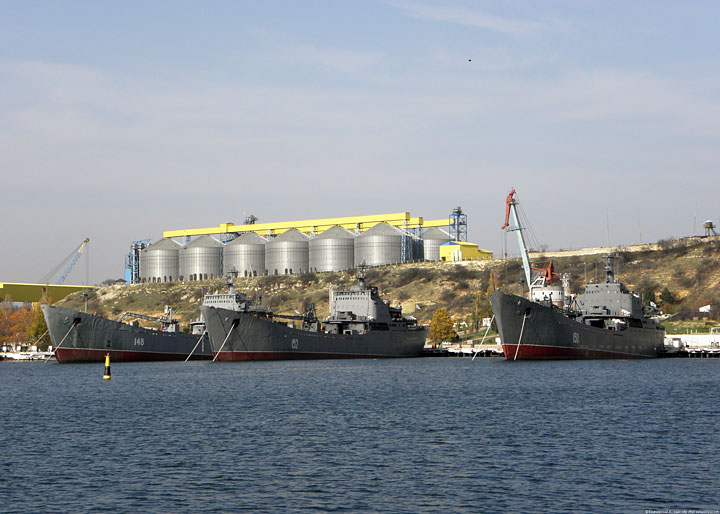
x=688 y=268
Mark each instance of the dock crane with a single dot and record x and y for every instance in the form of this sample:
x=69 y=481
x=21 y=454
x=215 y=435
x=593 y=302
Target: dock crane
x=539 y=284
x=74 y=260
x=70 y=261
x=511 y=210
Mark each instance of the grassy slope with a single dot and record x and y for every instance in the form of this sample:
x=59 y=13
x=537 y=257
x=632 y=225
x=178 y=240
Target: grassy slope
x=688 y=268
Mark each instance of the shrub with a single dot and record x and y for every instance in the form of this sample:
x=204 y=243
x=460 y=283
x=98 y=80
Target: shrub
x=709 y=248
x=447 y=295
x=666 y=244
x=409 y=275
x=667 y=297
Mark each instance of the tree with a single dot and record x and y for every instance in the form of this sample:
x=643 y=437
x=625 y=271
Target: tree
x=441 y=326
x=37 y=330
x=667 y=297
x=647 y=290
x=14 y=323
x=478 y=310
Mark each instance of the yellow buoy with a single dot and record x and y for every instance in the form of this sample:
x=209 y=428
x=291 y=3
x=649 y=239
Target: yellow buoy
x=106 y=376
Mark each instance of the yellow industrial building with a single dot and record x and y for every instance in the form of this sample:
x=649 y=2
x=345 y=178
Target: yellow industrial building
x=463 y=251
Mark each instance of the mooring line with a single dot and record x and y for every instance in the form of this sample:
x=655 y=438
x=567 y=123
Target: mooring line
x=483 y=339
x=517 y=348
x=196 y=345
x=232 y=327
x=61 y=341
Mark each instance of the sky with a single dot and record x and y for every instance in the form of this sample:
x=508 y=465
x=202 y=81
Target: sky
x=120 y=120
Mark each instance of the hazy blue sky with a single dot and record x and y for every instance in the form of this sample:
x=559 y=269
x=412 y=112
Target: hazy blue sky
x=119 y=120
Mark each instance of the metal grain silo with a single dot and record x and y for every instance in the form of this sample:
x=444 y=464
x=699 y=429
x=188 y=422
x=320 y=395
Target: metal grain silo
x=287 y=254
x=433 y=238
x=381 y=244
x=160 y=262
x=418 y=249
x=246 y=255
x=201 y=259
x=333 y=250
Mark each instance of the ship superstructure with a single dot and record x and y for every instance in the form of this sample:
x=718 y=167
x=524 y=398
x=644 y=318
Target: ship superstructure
x=360 y=325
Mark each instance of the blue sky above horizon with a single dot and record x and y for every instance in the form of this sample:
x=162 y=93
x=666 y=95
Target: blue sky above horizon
x=121 y=120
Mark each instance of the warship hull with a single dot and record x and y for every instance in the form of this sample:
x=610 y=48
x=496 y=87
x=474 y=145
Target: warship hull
x=243 y=336
x=82 y=337
x=529 y=330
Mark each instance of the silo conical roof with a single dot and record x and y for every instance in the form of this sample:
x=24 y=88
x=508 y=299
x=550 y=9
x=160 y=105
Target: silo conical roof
x=164 y=244
x=249 y=238
x=381 y=229
x=335 y=232
x=290 y=235
x=205 y=242
x=436 y=233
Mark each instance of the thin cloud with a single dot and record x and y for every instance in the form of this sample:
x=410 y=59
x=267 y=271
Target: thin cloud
x=471 y=18
x=345 y=61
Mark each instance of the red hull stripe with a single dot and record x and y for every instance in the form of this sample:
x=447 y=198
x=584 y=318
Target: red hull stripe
x=277 y=356
x=528 y=351
x=64 y=355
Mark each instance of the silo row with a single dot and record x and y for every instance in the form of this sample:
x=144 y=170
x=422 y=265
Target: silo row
x=292 y=252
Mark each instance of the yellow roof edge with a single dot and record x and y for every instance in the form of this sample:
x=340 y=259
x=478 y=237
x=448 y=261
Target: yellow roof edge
x=395 y=219
x=436 y=223
x=3 y=284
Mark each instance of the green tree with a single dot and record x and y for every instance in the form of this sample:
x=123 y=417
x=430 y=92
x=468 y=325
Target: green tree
x=37 y=330
x=441 y=326
x=478 y=310
x=648 y=291
x=667 y=297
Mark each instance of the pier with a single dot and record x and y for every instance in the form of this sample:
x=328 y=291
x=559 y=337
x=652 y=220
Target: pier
x=463 y=351
x=694 y=353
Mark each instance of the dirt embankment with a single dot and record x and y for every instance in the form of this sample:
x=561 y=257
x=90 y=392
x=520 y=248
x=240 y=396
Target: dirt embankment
x=688 y=269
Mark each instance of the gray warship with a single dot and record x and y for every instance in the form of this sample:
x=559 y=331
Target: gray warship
x=606 y=322
x=82 y=337
x=360 y=325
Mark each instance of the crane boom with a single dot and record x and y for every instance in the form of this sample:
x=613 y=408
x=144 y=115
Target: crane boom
x=511 y=211
x=74 y=260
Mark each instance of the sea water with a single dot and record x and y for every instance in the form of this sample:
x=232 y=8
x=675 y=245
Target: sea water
x=399 y=435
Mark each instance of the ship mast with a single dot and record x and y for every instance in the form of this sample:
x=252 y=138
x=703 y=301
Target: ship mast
x=511 y=210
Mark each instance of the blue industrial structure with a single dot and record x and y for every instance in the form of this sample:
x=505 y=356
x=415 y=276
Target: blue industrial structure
x=132 y=261
x=458 y=225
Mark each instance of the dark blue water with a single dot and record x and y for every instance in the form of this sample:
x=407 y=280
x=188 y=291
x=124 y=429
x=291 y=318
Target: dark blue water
x=408 y=435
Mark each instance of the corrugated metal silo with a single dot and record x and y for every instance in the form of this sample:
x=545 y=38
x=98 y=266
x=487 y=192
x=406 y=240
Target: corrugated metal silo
x=246 y=255
x=418 y=249
x=287 y=254
x=433 y=238
x=160 y=262
x=381 y=244
x=201 y=259
x=333 y=250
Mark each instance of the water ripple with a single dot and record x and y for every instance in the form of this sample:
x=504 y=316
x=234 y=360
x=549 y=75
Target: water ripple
x=415 y=435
